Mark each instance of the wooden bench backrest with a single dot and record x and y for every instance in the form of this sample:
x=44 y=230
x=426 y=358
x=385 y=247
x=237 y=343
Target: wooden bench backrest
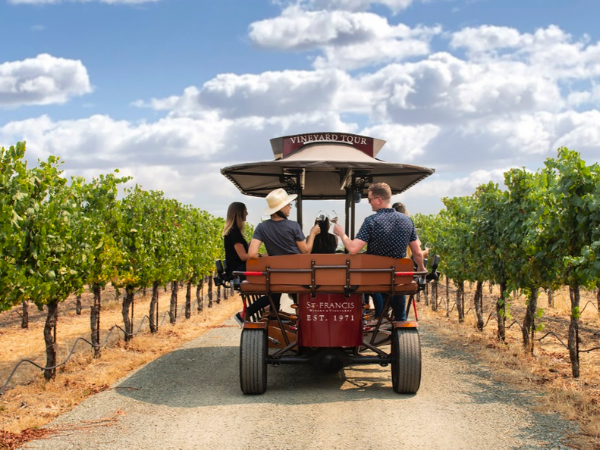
x=330 y=277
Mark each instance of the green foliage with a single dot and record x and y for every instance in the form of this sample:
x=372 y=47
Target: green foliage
x=574 y=190
x=58 y=236
x=543 y=230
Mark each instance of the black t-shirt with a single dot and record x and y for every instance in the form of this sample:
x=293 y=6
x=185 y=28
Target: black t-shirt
x=279 y=236
x=233 y=260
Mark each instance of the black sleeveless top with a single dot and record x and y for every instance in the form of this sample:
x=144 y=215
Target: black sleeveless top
x=231 y=257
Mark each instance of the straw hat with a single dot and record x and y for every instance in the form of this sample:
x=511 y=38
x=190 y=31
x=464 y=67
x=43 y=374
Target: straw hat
x=277 y=199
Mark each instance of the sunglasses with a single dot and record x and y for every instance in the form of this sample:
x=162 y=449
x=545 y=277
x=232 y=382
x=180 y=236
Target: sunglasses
x=371 y=199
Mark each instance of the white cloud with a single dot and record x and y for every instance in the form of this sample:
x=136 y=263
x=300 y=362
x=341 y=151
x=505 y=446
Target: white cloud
x=179 y=155
x=403 y=143
x=486 y=38
x=42 y=80
x=514 y=140
x=444 y=88
x=99 y=141
x=265 y=95
x=447 y=186
x=357 y=5
x=348 y=40
x=548 y=51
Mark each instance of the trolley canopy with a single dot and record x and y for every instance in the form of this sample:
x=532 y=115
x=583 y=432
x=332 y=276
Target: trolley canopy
x=325 y=165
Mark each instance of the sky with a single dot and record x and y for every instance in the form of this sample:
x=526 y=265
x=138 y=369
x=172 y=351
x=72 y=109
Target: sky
x=171 y=91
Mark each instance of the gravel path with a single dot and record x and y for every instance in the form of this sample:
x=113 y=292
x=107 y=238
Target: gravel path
x=190 y=399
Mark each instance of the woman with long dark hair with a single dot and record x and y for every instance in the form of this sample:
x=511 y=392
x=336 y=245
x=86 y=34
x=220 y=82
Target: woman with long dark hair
x=324 y=242
x=236 y=247
x=236 y=251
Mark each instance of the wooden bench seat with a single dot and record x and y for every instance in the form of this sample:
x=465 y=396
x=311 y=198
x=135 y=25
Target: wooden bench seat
x=332 y=274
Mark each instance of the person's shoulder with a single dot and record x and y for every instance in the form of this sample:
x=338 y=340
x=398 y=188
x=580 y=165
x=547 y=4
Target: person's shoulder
x=290 y=224
x=266 y=223
x=370 y=218
x=261 y=226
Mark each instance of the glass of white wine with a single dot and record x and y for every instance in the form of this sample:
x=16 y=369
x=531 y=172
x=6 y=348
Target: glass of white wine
x=333 y=219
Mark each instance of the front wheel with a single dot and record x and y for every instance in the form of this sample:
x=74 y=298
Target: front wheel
x=406 y=365
x=253 y=361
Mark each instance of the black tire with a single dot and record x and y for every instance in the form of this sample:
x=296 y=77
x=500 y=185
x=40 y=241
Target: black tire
x=406 y=367
x=253 y=362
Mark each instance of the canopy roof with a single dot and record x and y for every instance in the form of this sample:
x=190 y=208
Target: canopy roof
x=324 y=169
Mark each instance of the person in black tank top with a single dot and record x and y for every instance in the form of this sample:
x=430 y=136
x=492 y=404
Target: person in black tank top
x=236 y=247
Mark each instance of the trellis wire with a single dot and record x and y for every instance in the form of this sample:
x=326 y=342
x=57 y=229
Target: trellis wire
x=196 y=303
x=515 y=321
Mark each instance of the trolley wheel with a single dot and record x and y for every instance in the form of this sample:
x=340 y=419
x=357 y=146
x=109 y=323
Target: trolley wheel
x=406 y=365
x=253 y=361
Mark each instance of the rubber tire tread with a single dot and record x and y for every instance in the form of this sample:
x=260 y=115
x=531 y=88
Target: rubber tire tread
x=253 y=362
x=406 y=367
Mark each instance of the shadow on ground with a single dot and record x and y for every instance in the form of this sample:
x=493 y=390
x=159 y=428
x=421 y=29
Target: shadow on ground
x=204 y=376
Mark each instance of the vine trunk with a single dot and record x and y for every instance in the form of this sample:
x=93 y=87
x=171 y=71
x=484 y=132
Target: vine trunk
x=95 y=320
x=574 y=330
x=50 y=340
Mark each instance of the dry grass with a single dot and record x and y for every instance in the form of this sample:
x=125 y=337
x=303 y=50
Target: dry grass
x=548 y=370
x=32 y=402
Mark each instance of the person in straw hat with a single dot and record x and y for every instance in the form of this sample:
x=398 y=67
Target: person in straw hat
x=280 y=235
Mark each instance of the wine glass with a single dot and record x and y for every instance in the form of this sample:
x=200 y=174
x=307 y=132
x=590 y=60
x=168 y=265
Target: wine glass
x=333 y=218
x=427 y=249
x=321 y=216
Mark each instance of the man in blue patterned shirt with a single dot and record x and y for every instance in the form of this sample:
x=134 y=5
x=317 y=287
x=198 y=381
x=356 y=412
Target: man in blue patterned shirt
x=386 y=233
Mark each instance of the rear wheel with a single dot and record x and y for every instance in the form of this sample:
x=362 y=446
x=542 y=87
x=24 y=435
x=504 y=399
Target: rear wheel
x=253 y=361
x=406 y=367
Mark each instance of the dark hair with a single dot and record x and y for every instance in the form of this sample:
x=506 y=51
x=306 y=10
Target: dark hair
x=381 y=190
x=400 y=208
x=235 y=217
x=324 y=242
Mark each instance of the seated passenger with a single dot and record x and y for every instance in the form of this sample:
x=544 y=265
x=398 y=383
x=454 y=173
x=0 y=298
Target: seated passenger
x=236 y=247
x=280 y=235
x=324 y=242
x=399 y=207
x=386 y=233
x=236 y=250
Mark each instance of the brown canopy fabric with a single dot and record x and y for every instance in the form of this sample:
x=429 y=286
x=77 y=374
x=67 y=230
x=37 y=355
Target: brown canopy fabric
x=325 y=170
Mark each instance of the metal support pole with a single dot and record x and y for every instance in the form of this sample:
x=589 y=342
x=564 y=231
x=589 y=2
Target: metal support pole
x=347 y=216
x=352 y=207
x=299 y=200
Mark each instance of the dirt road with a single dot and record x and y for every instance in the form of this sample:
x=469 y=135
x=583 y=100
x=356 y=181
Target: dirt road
x=191 y=399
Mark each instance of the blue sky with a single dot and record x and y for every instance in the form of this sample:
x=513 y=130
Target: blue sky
x=169 y=91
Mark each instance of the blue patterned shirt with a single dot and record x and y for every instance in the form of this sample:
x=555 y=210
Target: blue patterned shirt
x=387 y=233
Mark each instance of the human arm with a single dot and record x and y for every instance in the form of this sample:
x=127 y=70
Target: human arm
x=417 y=255
x=353 y=246
x=307 y=245
x=253 y=249
x=241 y=251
